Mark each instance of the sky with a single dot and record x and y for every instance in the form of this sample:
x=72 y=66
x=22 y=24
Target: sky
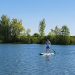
x=31 y=12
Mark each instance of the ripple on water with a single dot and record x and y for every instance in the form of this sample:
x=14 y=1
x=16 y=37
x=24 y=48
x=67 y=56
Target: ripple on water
x=60 y=72
x=24 y=60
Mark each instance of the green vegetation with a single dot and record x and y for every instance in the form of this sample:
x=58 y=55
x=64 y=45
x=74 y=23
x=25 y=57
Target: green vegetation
x=42 y=26
x=12 y=31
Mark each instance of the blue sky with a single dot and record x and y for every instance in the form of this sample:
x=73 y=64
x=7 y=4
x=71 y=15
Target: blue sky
x=31 y=12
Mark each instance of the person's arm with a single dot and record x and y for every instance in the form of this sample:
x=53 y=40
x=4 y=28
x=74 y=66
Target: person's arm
x=50 y=43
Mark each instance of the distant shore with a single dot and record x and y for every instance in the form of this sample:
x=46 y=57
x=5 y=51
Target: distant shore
x=38 y=40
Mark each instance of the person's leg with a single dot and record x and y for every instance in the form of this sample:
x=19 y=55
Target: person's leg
x=47 y=49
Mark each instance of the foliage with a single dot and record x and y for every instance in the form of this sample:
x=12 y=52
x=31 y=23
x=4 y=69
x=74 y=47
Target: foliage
x=16 y=28
x=42 y=26
x=60 y=35
x=5 y=27
x=12 y=31
x=36 y=35
x=65 y=31
x=28 y=32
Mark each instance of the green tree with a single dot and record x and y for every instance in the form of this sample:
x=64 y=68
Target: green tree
x=57 y=31
x=51 y=33
x=16 y=28
x=36 y=35
x=65 y=31
x=28 y=32
x=5 y=27
x=65 y=35
x=60 y=35
x=55 y=35
x=72 y=40
x=42 y=26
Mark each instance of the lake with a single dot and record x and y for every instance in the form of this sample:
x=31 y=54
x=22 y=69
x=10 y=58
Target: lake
x=24 y=59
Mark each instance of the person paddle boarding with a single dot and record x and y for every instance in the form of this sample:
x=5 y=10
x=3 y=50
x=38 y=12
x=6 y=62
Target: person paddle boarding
x=48 y=43
x=48 y=50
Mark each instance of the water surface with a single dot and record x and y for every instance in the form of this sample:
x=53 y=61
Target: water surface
x=24 y=59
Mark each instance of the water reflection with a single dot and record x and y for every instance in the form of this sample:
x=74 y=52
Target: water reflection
x=47 y=58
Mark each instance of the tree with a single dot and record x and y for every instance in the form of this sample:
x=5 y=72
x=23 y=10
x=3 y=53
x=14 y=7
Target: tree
x=42 y=26
x=28 y=32
x=36 y=35
x=51 y=33
x=16 y=28
x=65 y=31
x=5 y=27
x=65 y=35
x=60 y=35
x=57 y=31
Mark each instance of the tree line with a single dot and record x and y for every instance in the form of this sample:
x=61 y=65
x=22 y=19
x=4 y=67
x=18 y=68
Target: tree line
x=12 y=31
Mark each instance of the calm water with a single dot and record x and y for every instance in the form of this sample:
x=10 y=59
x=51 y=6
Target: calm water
x=22 y=59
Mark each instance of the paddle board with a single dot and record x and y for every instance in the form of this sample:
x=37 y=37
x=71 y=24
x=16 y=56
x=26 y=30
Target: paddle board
x=47 y=54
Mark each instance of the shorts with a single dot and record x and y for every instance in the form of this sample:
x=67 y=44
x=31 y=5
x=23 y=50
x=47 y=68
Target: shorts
x=47 y=47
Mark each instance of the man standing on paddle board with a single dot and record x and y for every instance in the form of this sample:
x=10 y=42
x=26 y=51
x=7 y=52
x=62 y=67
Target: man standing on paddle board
x=48 y=43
